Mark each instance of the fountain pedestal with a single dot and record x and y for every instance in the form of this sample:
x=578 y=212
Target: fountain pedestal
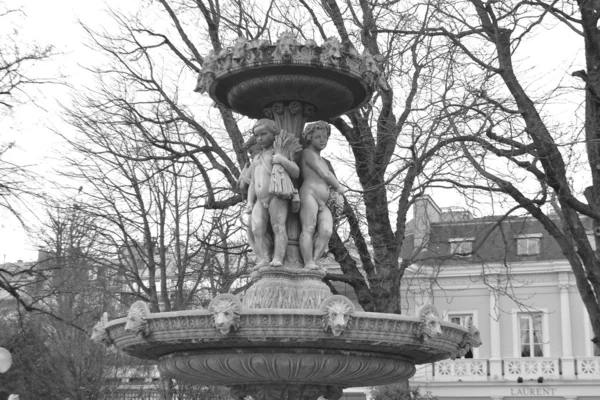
x=287 y=288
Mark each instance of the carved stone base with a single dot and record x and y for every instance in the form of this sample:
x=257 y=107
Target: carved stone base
x=286 y=368
x=285 y=287
x=286 y=391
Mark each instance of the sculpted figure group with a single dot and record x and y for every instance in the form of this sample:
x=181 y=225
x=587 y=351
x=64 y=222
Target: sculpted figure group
x=268 y=210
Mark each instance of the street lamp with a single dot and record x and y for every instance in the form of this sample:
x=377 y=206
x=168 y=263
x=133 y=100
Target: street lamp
x=5 y=360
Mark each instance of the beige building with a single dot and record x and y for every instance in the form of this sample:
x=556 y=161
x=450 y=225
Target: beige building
x=511 y=279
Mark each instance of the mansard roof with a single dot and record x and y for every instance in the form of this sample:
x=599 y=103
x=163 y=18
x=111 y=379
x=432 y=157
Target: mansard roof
x=494 y=239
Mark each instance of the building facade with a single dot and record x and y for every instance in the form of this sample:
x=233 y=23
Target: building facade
x=509 y=277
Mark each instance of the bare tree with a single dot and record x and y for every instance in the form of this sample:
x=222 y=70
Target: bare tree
x=160 y=243
x=16 y=60
x=63 y=302
x=519 y=153
x=17 y=79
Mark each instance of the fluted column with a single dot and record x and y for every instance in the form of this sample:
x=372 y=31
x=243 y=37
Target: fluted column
x=568 y=362
x=495 y=346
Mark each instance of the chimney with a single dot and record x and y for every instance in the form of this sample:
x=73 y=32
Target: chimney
x=425 y=212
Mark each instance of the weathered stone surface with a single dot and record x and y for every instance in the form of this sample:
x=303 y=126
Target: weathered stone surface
x=253 y=75
x=471 y=339
x=137 y=318
x=225 y=310
x=99 y=332
x=299 y=366
x=264 y=329
x=287 y=288
x=430 y=322
x=337 y=313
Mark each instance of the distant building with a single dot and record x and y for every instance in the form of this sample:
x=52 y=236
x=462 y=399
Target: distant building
x=25 y=278
x=509 y=276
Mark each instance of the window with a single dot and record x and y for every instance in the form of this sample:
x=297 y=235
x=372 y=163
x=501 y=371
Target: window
x=462 y=320
x=461 y=246
x=531 y=335
x=528 y=245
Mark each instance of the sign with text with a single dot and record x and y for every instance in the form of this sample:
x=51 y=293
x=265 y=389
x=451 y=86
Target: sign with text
x=531 y=391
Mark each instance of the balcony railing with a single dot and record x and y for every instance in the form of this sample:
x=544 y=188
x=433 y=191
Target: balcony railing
x=532 y=368
x=469 y=369
x=588 y=367
x=512 y=368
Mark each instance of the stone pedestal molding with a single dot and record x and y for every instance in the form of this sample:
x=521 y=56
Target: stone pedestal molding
x=283 y=287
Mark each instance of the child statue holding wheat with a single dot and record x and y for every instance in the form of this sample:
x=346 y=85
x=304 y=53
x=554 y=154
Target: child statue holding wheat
x=271 y=188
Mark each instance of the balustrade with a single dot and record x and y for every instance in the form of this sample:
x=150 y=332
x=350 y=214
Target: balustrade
x=588 y=367
x=531 y=368
x=464 y=369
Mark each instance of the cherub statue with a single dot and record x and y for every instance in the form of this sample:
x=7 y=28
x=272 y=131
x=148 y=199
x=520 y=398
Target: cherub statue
x=314 y=192
x=269 y=204
x=244 y=185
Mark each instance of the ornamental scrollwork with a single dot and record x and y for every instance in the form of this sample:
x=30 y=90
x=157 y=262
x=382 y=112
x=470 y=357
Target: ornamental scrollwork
x=288 y=50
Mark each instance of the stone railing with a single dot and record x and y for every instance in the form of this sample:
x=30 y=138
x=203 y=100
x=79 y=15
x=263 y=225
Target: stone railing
x=588 y=367
x=464 y=369
x=532 y=368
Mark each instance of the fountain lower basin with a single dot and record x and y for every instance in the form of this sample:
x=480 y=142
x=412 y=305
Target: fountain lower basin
x=271 y=346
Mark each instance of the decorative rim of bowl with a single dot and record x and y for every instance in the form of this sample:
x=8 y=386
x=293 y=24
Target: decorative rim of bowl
x=239 y=67
x=377 y=333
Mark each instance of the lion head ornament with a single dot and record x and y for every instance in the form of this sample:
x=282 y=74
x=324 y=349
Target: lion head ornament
x=99 y=332
x=373 y=70
x=332 y=51
x=285 y=47
x=137 y=318
x=430 y=325
x=225 y=310
x=337 y=314
x=470 y=340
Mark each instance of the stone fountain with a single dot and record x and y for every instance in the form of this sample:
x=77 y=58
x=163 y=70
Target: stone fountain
x=289 y=337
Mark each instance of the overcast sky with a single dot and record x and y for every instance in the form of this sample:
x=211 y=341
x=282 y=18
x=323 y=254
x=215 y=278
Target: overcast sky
x=30 y=125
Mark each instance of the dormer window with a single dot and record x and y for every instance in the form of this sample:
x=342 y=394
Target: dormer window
x=528 y=245
x=461 y=246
